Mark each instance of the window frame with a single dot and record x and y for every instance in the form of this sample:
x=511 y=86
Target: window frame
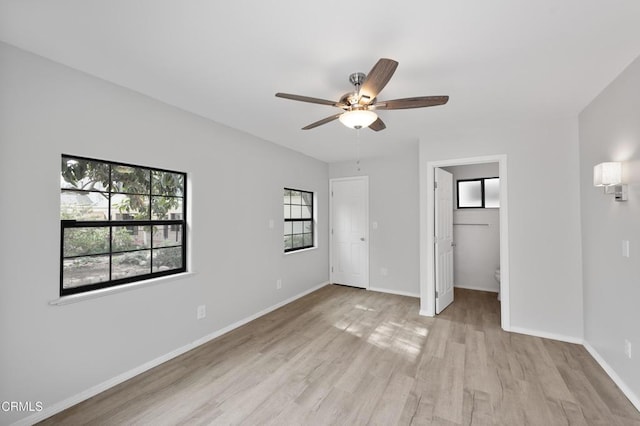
x=66 y=224
x=482 y=193
x=312 y=219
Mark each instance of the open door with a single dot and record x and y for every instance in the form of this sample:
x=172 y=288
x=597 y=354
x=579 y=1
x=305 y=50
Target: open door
x=443 y=238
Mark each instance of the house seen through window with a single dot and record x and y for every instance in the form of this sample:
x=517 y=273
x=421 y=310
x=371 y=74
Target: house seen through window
x=298 y=219
x=120 y=223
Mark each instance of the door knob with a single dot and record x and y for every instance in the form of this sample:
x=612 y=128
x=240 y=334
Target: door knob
x=361 y=238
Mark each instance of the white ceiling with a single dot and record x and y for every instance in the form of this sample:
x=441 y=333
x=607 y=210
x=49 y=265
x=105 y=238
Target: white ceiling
x=498 y=60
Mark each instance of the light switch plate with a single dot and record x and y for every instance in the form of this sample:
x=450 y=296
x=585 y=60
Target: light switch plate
x=627 y=348
x=625 y=248
x=201 y=312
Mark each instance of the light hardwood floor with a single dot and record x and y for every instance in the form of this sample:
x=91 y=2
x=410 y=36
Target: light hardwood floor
x=347 y=356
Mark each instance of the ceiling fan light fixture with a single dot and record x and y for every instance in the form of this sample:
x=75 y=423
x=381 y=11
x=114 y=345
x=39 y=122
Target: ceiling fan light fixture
x=358 y=118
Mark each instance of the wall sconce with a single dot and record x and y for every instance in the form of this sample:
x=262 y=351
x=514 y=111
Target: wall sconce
x=609 y=175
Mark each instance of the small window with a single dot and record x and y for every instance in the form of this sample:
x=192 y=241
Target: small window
x=483 y=193
x=120 y=223
x=298 y=220
x=492 y=193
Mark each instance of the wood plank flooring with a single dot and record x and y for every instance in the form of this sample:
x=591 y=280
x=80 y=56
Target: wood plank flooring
x=343 y=356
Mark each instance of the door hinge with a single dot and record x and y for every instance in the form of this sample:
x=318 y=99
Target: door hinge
x=332 y=269
x=437 y=295
x=332 y=193
x=435 y=185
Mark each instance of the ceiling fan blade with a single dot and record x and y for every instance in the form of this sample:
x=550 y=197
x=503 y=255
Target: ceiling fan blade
x=417 y=102
x=309 y=99
x=321 y=122
x=377 y=78
x=377 y=125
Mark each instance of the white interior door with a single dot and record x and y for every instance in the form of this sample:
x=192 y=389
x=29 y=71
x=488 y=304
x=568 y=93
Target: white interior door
x=443 y=238
x=350 y=231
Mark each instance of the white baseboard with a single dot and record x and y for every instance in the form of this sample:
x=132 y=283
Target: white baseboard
x=470 y=287
x=250 y=318
x=95 y=390
x=398 y=292
x=424 y=313
x=546 y=335
x=73 y=400
x=633 y=398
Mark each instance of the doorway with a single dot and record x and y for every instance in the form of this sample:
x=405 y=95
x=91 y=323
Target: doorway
x=427 y=234
x=476 y=226
x=349 y=231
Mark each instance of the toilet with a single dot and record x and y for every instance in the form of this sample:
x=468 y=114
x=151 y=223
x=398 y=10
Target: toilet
x=497 y=276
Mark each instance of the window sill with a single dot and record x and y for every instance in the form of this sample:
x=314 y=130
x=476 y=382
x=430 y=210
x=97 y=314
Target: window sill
x=288 y=253
x=74 y=298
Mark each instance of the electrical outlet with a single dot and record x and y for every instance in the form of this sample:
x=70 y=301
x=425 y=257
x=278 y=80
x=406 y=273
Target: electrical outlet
x=201 y=312
x=627 y=348
x=384 y=272
x=278 y=284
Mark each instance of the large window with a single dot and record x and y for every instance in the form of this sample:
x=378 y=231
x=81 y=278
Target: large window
x=298 y=219
x=120 y=223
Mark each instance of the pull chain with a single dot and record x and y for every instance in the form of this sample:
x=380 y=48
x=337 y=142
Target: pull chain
x=358 y=150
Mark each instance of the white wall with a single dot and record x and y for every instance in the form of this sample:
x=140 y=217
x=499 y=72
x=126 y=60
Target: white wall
x=476 y=233
x=50 y=353
x=544 y=230
x=610 y=131
x=393 y=204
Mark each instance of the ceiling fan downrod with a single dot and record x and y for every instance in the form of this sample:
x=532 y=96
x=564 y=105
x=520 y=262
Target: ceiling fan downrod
x=357 y=78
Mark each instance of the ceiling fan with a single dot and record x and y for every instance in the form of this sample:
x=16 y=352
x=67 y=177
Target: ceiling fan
x=360 y=105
